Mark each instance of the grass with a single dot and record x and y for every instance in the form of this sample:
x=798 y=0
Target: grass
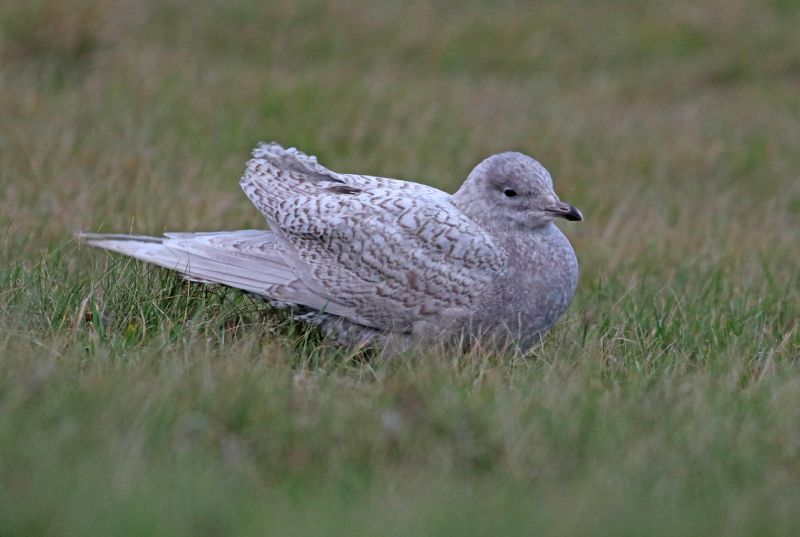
x=667 y=401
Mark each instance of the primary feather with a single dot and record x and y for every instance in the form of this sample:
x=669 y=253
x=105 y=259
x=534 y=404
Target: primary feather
x=245 y=260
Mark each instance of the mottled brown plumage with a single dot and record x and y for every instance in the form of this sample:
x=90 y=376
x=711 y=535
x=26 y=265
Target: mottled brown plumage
x=378 y=260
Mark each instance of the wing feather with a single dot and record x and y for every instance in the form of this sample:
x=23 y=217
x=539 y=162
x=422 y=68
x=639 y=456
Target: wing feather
x=395 y=252
x=247 y=260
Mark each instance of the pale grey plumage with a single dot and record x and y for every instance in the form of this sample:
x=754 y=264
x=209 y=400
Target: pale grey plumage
x=377 y=260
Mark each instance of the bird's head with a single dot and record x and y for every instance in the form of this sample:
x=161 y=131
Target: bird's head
x=512 y=189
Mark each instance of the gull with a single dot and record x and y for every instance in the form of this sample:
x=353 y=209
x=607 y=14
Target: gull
x=383 y=262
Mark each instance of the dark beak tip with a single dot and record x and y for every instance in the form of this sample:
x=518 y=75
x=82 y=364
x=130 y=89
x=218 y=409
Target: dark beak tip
x=567 y=212
x=574 y=215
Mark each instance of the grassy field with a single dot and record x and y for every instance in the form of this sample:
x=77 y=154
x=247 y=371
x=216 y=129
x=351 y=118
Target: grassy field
x=667 y=402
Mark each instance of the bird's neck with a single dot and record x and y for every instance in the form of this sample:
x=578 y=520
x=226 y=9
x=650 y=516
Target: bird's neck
x=471 y=205
x=528 y=240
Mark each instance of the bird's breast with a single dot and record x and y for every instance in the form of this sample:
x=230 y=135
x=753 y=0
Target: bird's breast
x=537 y=286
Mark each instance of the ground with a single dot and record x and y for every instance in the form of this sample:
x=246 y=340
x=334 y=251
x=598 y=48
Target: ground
x=666 y=402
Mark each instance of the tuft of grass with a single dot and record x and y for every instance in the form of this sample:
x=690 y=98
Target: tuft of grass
x=665 y=402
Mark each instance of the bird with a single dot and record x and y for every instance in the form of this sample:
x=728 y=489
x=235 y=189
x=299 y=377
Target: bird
x=389 y=263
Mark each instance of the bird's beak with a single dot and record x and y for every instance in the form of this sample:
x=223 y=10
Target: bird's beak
x=565 y=210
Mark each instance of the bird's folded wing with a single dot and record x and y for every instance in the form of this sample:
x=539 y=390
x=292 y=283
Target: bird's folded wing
x=392 y=252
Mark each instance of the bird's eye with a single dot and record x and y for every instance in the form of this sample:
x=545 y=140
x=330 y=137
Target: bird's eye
x=509 y=193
